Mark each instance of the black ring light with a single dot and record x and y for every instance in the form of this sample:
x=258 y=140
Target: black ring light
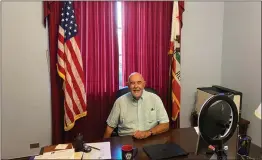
x=222 y=125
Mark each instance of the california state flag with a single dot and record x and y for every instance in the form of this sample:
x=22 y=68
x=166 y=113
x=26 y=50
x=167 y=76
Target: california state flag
x=175 y=42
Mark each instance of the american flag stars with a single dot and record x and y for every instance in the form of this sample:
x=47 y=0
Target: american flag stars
x=68 y=21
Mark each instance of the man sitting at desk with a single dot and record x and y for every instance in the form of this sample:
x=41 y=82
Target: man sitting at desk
x=138 y=113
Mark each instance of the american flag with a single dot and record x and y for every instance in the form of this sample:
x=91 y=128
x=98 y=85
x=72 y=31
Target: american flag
x=70 y=67
x=178 y=9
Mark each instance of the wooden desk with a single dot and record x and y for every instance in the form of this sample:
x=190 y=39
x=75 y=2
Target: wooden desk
x=52 y=148
x=185 y=137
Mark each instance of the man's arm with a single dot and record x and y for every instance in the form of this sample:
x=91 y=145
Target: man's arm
x=163 y=127
x=112 y=120
x=108 y=132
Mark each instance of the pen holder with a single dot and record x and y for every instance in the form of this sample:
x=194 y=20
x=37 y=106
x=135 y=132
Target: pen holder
x=78 y=143
x=244 y=143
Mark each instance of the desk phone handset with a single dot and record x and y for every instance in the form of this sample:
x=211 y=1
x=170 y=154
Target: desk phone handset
x=79 y=144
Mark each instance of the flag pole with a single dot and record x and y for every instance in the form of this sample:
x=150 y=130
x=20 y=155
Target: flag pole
x=170 y=89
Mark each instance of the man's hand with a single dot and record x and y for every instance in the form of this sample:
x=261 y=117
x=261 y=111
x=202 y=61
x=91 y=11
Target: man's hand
x=163 y=127
x=141 y=134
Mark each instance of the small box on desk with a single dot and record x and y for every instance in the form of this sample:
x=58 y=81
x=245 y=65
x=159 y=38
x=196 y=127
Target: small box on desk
x=203 y=93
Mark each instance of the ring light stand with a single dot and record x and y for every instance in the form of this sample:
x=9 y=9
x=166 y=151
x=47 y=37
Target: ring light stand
x=228 y=127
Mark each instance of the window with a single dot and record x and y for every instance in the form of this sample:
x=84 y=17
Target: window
x=119 y=36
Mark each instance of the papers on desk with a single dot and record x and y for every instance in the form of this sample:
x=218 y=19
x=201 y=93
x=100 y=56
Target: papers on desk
x=103 y=153
x=61 y=146
x=61 y=154
x=78 y=155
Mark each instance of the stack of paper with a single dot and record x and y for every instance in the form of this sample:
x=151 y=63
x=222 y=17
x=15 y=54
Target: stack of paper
x=61 y=154
x=103 y=153
x=61 y=146
x=78 y=155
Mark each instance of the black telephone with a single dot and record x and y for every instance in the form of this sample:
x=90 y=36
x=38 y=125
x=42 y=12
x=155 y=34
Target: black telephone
x=79 y=144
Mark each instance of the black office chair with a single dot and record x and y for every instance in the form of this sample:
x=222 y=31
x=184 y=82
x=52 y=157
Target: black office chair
x=123 y=91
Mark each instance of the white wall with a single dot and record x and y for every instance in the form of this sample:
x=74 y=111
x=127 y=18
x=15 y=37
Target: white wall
x=241 y=60
x=201 y=51
x=26 y=108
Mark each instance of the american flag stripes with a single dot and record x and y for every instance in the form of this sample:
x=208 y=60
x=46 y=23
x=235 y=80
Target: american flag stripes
x=178 y=8
x=70 y=67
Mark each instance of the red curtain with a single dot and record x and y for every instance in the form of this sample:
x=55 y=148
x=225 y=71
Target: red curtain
x=99 y=48
x=52 y=13
x=146 y=36
x=98 y=32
